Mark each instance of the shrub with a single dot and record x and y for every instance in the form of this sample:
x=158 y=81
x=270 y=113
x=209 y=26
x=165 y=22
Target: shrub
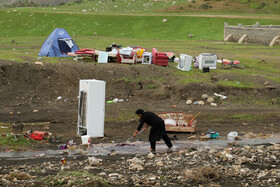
x=78 y=1
x=205 y=6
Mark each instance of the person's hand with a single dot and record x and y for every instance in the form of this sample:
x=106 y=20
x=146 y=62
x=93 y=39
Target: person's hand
x=135 y=134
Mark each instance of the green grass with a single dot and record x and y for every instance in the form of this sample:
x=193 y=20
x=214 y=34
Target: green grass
x=29 y=27
x=236 y=84
x=150 y=86
x=240 y=117
x=250 y=99
x=166 y=7
x=21 y=24
x=7 y=128
x=60 y=180
x=250 y=55
x=14 y=142
x=244 y=117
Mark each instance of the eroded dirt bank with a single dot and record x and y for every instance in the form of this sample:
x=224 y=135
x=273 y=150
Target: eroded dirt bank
x=45 y=97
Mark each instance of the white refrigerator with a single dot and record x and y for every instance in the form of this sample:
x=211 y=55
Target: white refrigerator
x=91 y=108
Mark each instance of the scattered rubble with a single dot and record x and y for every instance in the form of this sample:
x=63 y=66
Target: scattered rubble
x=247 y=166
x=188 y=102
x=201 y=103
x=208 y=99
x=213 y=104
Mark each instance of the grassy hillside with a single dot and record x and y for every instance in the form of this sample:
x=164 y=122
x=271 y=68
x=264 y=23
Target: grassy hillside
x=18 y=23
x=31 y=3
x=23 y=31
x=261 y=62
x=153 y=6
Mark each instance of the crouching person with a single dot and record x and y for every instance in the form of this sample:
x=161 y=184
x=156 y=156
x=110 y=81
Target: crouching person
x=157 y=128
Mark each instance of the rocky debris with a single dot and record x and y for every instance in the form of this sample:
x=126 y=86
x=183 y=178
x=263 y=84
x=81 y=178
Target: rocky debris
x=135 y=164
x=205 y=96
x=237 y=138
x=245 y=165
x=192 y=137
x=204 y=138
x=150 y=155
x=220 y=96
x=201 y=103
x=94 y=161
x=266 y=83
x=190 y=35
x=213 y=104
x=39 y=63
x=188 y=102
x=211 y=100
x=261 y=135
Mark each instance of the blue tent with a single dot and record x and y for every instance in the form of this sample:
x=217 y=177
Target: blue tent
x=58 y=44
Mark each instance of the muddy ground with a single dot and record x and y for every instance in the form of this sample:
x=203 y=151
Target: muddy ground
x=29 y=94
x=45 y=97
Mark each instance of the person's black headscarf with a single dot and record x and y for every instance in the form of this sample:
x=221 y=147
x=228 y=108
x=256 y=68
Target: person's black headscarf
x=139 y=111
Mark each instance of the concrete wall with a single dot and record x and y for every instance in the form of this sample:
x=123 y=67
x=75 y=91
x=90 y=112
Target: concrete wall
x=256 y=33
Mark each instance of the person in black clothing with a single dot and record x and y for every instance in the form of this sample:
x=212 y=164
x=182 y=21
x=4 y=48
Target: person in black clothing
x=157 y=128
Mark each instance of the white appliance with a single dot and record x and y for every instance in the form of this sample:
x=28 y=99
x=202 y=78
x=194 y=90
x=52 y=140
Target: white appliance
x=126 y=51
x=91 y=111
x=185 y=62
x=147 y=58
x=207 y=60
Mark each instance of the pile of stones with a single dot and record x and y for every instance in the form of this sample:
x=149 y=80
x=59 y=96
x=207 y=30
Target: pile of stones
x=243 y=166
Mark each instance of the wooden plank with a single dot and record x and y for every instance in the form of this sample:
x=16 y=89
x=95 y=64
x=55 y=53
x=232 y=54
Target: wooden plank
x=170 y=128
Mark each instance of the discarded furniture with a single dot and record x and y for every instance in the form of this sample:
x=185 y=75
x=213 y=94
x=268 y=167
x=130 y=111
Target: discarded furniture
x=111 y=54
x=171 y=56
x=185 y=62
x=37 y=135
x=178 y=121
x=113 y=49
x=207 y=60
x=90 y=53
x=159 y=58
x=139 y=53
x=127 y=60
x=227 y=64
x=84 y=53
x=103 y=57
x=147 y=58
x=126 y=51
x=126 y=56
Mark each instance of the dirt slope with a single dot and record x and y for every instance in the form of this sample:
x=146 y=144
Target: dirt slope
x=29 y=93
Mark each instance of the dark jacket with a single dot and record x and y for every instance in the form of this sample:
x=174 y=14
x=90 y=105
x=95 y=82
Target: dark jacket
x=156 y=123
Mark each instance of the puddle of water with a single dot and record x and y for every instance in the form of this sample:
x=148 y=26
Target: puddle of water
x=139 y=147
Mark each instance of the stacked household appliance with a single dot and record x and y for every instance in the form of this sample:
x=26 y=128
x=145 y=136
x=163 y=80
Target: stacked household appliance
x=147 y=58
x=207 y=60
x=185 y=62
